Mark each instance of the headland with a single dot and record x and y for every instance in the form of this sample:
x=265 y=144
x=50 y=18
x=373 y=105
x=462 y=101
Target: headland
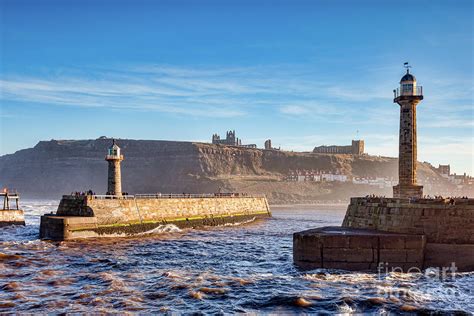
x=55 y=167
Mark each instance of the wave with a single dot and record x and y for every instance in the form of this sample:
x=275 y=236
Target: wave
x=240 y=223
x=19 y=233
x=169 y=228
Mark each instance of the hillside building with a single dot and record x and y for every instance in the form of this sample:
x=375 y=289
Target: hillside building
x=230 y=140
x=268 y=145
x=445 y=170
x=356 y=148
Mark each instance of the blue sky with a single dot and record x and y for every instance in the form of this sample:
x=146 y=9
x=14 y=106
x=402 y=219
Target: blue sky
x=303 y=73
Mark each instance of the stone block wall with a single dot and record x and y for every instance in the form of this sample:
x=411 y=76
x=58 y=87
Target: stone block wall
x=353 y=249
x=74 y=206
x=439 y=220
x=407 y=191
x=60 y=227
x=114 y=211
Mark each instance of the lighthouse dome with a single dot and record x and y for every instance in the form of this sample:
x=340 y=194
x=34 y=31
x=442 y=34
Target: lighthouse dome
x=114 y=145
x=408 y=77
x=114 y=150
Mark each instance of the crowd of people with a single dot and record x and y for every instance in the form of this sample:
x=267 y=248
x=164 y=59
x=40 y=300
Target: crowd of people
x=82 y=193
x=90 y=192
x=374 y=196
x=450 y=199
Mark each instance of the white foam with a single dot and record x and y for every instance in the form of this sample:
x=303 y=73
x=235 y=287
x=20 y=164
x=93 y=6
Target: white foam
x=240 y=223
x=169 y=228
x=345 y=309
x=33 y=209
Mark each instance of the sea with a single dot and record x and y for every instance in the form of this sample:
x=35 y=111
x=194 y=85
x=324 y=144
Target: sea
x=244 y=268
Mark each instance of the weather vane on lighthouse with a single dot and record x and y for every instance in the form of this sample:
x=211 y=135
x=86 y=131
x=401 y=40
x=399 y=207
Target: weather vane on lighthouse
x=407 y=66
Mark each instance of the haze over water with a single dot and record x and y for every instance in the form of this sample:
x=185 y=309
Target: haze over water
x=246 y=268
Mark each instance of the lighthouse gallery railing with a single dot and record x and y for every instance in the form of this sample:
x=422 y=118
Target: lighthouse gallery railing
x=418 y=91
x=165 y=196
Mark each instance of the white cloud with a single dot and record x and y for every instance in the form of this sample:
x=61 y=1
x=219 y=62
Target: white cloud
x=221 y=92
x=293 y=110
x=216 y=91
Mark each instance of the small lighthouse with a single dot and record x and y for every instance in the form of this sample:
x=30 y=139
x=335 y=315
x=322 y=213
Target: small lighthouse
x=114 y=179
x=408 y=95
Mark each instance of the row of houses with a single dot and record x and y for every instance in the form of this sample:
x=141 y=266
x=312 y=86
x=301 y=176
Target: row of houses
x=462 y=182
x=337 y=176
x=375 y=181
x=316 y=177
x=459 y=179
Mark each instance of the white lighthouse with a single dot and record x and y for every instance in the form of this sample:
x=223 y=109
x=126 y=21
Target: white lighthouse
x=114 y=179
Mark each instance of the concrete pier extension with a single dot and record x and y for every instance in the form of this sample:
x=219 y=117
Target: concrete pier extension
x=357 y=249
x=103 y=216
x=11 y=214
x=11 y=217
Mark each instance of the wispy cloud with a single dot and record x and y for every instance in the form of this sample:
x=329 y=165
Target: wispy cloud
x=290 y=90
x=221 y=92
x=294 y=110
x=117 y=93
x=173 y=90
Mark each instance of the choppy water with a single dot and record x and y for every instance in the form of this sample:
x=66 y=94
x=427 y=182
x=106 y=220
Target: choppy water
x=233 y=269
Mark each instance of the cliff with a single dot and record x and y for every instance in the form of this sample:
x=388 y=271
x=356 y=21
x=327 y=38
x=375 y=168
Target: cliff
x=57 y=167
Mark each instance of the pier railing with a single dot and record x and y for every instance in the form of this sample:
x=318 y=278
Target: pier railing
x=165 y=196
x=194 y=196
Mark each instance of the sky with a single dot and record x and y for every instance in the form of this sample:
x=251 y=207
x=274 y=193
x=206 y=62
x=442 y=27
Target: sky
x=302 y=73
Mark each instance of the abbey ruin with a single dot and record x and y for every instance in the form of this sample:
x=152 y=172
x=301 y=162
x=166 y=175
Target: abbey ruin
x=230 y=140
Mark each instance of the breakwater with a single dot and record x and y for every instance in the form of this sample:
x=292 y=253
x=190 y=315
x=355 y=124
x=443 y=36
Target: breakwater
x=394 y=233
x=99 y=216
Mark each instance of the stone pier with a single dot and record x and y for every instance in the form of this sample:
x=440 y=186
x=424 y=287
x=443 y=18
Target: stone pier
x=103 y=216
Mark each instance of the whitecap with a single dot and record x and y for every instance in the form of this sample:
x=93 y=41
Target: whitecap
x=169 y=228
